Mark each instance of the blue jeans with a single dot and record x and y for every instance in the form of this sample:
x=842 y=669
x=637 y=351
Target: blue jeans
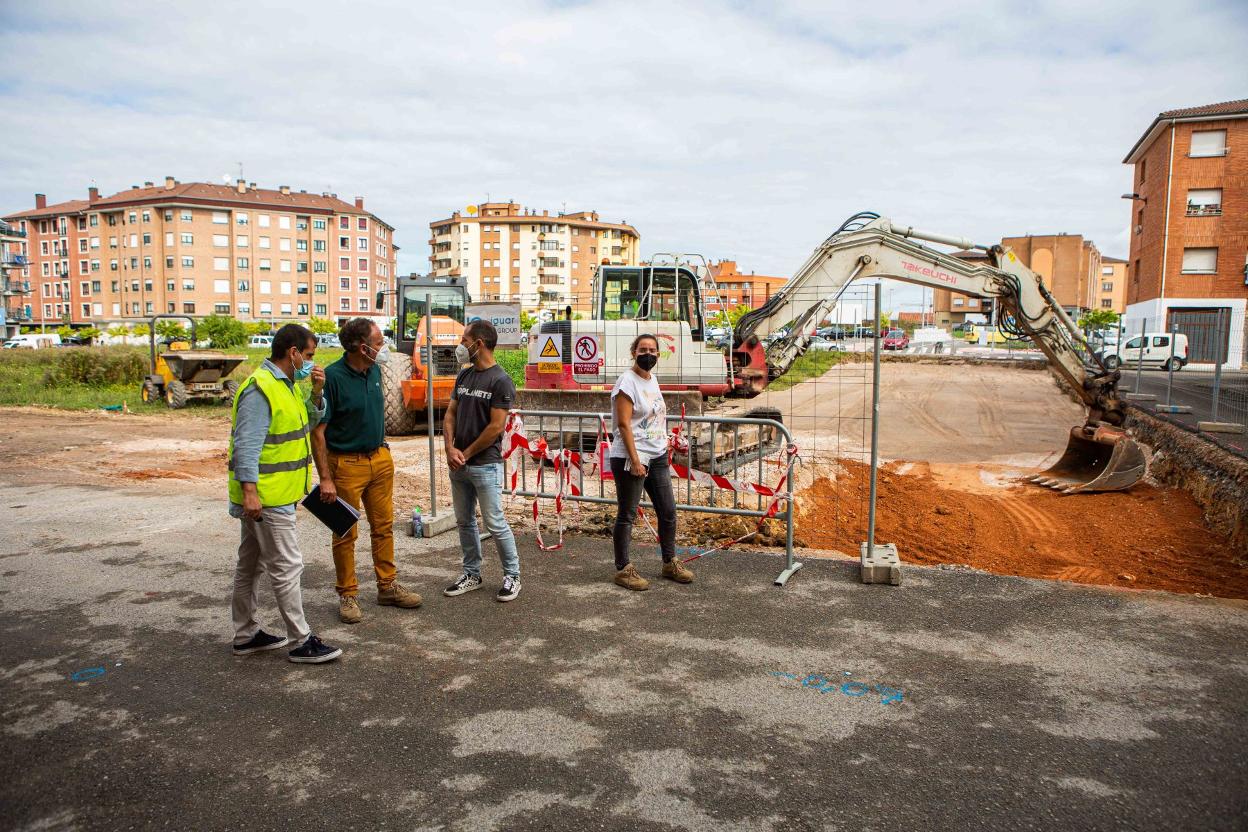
x=471 y=484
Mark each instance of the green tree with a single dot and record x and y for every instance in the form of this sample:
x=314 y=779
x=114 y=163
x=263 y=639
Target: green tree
x=526 y=321
x=259 y=328
x=66 y=332
x=171 y=331
x=119 y=331
x=322 y=326
x=222 y=331
x=141 y=330
x=1098 y=319
x=90 y=333
x=730 y=317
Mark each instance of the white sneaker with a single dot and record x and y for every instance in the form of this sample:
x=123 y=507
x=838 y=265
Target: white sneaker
x=466 y=583
x=510 y=590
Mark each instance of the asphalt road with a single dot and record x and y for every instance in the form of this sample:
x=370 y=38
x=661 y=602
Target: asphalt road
x=1194 y=388
x=959 y=700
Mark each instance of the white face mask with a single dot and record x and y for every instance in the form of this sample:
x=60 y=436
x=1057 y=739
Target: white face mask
x=462 y=355
x=380 y=356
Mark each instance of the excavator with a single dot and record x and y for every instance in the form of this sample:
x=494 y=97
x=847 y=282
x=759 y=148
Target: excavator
x=667 y=300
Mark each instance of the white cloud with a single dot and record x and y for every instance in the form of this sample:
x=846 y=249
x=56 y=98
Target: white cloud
x=740 y=130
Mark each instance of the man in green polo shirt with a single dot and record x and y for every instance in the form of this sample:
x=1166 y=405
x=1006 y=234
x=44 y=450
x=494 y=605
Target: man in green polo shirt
x=354 y=463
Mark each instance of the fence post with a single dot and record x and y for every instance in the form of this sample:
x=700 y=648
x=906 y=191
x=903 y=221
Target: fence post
x=1139 y=361
x=1218 y=359
x=1174 y=334
x=429 y=371
x=879 y=564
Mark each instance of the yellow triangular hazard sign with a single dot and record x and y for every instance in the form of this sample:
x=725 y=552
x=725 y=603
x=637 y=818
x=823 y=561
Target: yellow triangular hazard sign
x=549 y=351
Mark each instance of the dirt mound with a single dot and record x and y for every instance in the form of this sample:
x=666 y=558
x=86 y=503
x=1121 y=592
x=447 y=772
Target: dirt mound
x=1148 y=538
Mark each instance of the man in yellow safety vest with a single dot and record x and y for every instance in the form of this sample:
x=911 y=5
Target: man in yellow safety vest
x=270 y=465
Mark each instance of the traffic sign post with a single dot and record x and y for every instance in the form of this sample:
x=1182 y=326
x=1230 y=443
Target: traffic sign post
x=550 y=352
x=587 y=356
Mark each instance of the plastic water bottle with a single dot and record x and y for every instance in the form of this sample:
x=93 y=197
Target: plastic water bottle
x=417 y=524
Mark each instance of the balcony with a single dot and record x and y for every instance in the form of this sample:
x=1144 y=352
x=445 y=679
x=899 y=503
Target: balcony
x=17 y=315
x=1204 y=210
x=7 y=230
x=11 y=260
x=17 y=287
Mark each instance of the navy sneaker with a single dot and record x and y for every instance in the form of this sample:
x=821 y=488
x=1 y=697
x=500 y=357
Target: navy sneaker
x=314 y=651
x=260 y=641
x=466 y=583
x=510 y=590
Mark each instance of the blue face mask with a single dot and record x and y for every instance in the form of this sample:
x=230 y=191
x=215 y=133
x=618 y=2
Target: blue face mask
x=303 y=372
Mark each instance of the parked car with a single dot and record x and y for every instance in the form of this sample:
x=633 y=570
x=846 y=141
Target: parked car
x=863 y=332
x=328 y=339
x=821 y=344
x=260 y=341
x=896 y=339
x=1152 y=349
x=832 y=333
x=33 y=341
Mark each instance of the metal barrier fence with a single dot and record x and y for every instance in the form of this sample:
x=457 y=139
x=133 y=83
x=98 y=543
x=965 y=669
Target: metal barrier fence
x=730 y=447
x=1190 y=364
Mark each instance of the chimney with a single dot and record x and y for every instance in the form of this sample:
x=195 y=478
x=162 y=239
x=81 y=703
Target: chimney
x=93 y=194
x=545 y=213
x=134 y=187
x=359 y=202
x=169 y=183
x=147 y=184
x=285 y=189
x=241 y=187
x=251 y=185
x=41 y=200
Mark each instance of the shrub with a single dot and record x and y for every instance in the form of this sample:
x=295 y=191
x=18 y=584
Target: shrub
x=222 y=331
x=101 y=367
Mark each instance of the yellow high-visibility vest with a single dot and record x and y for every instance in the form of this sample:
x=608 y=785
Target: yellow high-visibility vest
x=286 y=458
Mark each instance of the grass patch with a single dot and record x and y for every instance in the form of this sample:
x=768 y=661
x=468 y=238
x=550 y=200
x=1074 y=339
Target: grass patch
x=811 y=365
x=513 y=361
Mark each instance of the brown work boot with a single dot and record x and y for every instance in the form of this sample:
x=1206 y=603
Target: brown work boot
x=349 y=610
x=677 y=571
x=396 y=596
x=629 y=579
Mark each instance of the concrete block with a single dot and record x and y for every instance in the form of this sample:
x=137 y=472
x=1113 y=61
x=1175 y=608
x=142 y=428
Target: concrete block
x=1173 y=408
x=436 y=524
x=881 y=566
x=1220 y=427
x=1141 y=397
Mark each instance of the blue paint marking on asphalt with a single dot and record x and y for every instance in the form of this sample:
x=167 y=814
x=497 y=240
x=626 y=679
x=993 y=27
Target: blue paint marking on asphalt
x=855 y=689
x=87 y=674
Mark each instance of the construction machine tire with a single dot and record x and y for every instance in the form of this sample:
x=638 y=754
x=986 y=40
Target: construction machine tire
x=149 y=392
x=175 y=394
x=398 y=420
x=230 y=386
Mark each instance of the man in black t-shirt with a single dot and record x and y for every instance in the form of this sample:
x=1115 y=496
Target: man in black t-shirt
x=473 y=431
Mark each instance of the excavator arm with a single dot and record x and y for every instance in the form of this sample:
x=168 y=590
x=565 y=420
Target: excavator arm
x=1099 y=456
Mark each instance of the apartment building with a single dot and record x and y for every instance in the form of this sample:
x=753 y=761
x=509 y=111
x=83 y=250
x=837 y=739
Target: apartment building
x=14 y=289
x=1189 y=221
x=737 y=288
x=1111 y=292
x=506 y=252
x=950 y=309
x=199 y=249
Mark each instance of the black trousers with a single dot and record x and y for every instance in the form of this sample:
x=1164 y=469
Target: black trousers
x=658 y=485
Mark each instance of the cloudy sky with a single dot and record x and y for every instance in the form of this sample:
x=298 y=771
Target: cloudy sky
x=733 y=129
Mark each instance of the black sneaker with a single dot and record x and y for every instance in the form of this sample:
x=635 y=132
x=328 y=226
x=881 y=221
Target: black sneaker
x=314 y=651
x=466 y=583
x=260 y=641
x=510 y=590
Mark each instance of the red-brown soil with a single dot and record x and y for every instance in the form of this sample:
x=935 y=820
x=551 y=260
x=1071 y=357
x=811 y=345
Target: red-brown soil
x=1147 y=538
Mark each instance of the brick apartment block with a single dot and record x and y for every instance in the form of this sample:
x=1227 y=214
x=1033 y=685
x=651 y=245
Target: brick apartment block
x=1189 y=220
x=196 y=248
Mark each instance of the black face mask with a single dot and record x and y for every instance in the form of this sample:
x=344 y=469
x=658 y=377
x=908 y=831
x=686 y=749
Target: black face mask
x=646 y=361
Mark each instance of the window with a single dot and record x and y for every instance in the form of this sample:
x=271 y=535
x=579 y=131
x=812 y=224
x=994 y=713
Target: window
x=84 y=288
x=169 y=262
x=302 y=289
x=344 y=242
x=344 y=303
x=147 y=239
x=82 y=244
x=345 y=222
x=220 y=217
x=188 y=262
x=319 y=266
x=1200 y=261
x=189 y=307
x=1107 y=286
x=283 y=222
x=363 y=304
x=266 y=287
x=86 y=310
x=318 y=225
x=169 y=239
x=134 y=217
x=188 y=239
x=95 y=286
x=82 y=267
x=263 y=242
x=186 y=215
x=244 y=263
x=320 y=288
x=221 y=240
x=1205 y=202
x=302 y=267
x=303 y=309
x=244 y=285
x=1208 y=143
x=284 y=287
x=134 y=262
x=284 y=309
x=95 y=243
x=302 y=245
x=363 y=284
x=221 y=308
x=189 y=286
x=285 y=266
x=959 y=301
x=1161 y=340
x=266 y=309
x=361 y=244
x=265 y=265
x=322 y=309
x=95 y=265
x=147 y=262
x=220 y=264
x=1107 y=269
x=242 y=241
x=262 y=220
x=363 y=263
x=283 y=243
x=344 y=283
x=1139 y=221
x=241 y=218
x=95 y=220
x=170 y=285
x=344 y=264
x=244 y=309
x=318 y=245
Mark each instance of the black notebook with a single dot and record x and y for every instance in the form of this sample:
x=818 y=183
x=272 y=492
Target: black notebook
x=339 y=516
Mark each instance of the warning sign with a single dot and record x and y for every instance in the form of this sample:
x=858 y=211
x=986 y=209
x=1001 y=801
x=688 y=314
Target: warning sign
x=586 y=356
x=550 y=352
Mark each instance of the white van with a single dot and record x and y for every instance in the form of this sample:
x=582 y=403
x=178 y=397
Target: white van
x=1152 y=347
x=33 y=341
x=260 y=341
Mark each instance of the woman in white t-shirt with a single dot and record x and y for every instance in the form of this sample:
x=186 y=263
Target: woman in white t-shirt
x=639 y=461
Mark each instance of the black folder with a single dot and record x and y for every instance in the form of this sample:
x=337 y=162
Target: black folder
x=338 y=515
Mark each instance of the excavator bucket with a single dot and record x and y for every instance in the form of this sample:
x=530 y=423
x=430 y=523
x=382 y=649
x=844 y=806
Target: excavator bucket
x=1097 y=459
